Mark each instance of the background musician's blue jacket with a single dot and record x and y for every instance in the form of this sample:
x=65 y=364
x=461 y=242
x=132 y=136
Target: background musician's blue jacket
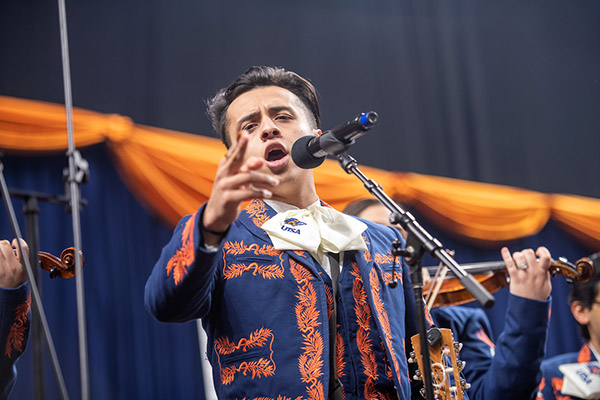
x=266 y=311
x=509 y=368
x=552 y=378
x=15 y=316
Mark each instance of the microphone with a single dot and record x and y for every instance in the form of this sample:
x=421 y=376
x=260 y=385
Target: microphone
x=310 y=151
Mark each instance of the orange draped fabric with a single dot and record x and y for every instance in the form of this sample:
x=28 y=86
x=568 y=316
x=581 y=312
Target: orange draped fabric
x=172 y=174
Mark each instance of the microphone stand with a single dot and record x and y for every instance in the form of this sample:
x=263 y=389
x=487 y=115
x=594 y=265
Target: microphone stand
x=76 y=174
x=38 y=307
x=418 y=241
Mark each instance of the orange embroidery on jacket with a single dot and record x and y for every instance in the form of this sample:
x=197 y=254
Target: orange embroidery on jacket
x=340 y=349
x=428 y=316
x=585 y=354
x=266 y=271
x=388 y=367
x=384 y=258
x=387 y=276
x=237 y=248
x=280 y=397
x=258 y=212
x=541 y=387
x=258 y=368
x=367 y=256
x=363 y=341
x=481 y=335
x=329 y=297
x=184 y=256
x=16 y=334
x=557 y=384
x=383 y=317
x=310 y=363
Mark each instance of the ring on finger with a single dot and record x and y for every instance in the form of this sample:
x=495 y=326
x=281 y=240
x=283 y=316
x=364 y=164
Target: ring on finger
x=522 y=266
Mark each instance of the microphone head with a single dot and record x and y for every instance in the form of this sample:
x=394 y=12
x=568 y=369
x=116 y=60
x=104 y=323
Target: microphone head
x=302 y=156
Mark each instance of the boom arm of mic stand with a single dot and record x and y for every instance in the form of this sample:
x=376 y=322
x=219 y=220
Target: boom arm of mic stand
x=412 y=227
x=419 y=240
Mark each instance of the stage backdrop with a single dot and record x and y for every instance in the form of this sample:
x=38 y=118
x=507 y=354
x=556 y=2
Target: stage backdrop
x=497 y=92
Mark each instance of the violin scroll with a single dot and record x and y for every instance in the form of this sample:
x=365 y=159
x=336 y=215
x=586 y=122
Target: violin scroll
x=63 y=267
x=582 y=271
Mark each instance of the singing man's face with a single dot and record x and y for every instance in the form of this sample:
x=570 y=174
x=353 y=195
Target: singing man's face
x=273 y=118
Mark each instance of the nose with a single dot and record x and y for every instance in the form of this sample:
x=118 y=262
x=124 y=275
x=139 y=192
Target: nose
x=269 y=130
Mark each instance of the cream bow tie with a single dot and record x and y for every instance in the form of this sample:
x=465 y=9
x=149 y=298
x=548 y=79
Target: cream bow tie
x=316 y=229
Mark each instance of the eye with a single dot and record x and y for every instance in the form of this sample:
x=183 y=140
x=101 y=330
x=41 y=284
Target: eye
x=249 y=127
x=283 y=117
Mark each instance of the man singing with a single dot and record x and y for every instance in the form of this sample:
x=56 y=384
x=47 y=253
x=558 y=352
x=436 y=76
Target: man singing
x=294 y=295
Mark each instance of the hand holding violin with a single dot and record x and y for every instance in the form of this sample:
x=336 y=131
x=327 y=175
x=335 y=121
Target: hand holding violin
x=12 y=272
x=529 y=272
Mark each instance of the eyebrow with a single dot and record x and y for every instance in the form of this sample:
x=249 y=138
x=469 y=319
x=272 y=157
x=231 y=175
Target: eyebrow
x=246 y=118
x=272 y=110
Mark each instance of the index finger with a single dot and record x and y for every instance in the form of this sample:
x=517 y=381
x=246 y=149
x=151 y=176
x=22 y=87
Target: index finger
x=235 y=155
x=544 y=257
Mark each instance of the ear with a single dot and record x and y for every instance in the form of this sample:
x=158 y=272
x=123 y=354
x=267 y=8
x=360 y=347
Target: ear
x=317 y=132
x=581 y=313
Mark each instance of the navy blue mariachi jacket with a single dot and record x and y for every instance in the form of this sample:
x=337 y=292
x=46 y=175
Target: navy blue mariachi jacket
x=552 y=378
x=15 y=316
x=266 y=312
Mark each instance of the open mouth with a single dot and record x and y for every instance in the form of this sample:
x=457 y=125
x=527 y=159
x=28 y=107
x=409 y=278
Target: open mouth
x=276 y=155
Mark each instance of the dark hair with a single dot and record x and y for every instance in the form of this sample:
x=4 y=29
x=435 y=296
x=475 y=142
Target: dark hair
x=358 y=206
x=256 y=77
x=585 y=293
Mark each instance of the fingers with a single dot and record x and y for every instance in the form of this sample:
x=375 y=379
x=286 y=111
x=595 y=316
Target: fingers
x=529 y=275
x=12 y=273
x=6 y=250
x=508 y=260
x=24 y=246
x=234 y=158
x=544 y=257
x=257 y=180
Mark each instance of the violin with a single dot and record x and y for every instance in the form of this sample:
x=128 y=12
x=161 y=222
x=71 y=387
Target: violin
x=63 y=266
x=494 y=276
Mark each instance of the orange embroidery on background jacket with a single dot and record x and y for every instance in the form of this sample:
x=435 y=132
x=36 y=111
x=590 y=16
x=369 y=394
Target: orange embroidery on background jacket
x=585 y=355
x=184 y=256
x=257 y=368
x=16 y=334
x=310 y=363
x=481 y=335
